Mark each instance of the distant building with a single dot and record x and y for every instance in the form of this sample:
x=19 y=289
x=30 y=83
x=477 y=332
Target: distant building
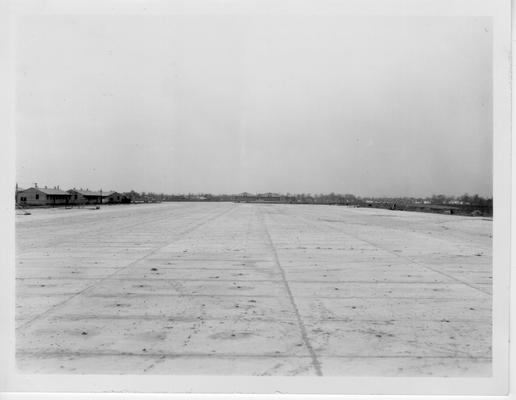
x=111 y=197
x=262 y=198
x=80 y=196
x=245 y=197
x=17 y=190
x=36 y=196
x=270 y=197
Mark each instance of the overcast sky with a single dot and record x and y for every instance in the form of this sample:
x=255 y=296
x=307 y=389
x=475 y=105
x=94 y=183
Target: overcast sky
x=226 y=104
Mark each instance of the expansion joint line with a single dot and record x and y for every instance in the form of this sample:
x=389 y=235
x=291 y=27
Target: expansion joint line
x=315 y=362
x=125 y=267
x=410 y=259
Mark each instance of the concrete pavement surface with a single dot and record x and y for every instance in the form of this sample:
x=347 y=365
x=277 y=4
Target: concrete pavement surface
x=253 y=289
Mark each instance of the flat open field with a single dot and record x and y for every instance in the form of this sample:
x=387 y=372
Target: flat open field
x=253 y=289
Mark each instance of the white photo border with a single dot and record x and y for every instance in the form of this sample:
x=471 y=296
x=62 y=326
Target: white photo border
x=498 y=384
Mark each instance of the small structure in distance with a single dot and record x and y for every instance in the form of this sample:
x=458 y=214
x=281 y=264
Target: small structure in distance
x=36 y=196
x=45 y=197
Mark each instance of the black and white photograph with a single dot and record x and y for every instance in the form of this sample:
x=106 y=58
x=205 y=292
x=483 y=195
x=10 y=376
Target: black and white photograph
x=261 y=190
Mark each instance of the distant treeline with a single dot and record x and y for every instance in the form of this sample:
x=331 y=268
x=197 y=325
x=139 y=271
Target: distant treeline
x=465 y=204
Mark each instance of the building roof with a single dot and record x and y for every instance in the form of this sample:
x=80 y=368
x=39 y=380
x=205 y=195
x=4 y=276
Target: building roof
x=109 y=193
x=269 y=195
x=54 y=191
x=48 y=191
x=94 y=193
x=86 y=192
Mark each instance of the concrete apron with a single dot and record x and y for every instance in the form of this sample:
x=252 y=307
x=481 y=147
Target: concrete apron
x=253 y=289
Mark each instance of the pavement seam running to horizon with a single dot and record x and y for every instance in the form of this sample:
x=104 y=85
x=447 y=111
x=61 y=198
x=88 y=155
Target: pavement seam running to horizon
x=399 y=256
x=304 y=335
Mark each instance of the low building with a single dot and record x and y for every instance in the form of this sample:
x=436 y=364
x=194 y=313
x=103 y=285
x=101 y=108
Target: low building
x=245 y=197
x=17 y=190
x=111 y=197
x=270 y=198
x=36 y=196
x=81 y=197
